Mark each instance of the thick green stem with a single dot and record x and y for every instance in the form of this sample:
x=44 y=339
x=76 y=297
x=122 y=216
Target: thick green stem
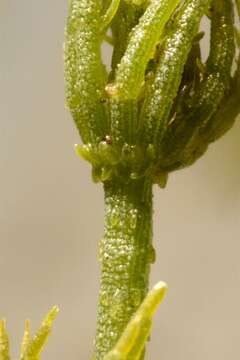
x=125 y=254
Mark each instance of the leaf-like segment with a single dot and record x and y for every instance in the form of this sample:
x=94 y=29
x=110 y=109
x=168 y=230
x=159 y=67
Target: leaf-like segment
x=132 y=342
x=163 y=89
x=130 y=72
x=84 y=74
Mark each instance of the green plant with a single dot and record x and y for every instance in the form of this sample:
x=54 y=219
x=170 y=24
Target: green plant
x=156 y=111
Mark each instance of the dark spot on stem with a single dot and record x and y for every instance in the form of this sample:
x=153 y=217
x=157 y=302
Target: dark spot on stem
x=107 y=139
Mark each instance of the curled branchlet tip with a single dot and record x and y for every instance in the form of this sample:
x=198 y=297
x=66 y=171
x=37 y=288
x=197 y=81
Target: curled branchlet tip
x=36 y=344
x=4 y=341
x=131 y=343
x=110 y=13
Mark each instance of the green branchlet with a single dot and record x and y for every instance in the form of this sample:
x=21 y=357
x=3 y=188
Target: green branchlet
x=85 y=76
x=142 y=42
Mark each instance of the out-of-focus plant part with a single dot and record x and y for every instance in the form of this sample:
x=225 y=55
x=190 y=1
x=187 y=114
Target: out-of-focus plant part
x=31 y=347
x=155 y=111
x=4 y=341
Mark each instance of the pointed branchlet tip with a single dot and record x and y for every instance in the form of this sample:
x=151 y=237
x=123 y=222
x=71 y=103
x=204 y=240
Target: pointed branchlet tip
x=51 y=316
x=26 y=338
x=35 y=345
x=131 y=343
x=4 y=341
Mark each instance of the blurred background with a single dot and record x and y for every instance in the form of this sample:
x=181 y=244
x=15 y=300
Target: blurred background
x=51 y=214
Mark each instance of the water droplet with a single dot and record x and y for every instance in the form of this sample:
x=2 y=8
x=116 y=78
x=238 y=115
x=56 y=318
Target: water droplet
x=115 y=218
x=101 y=249
x=111 y=90
x=105 y=299
x=135 y=176
x=117 y=304
x=133 y=219
x=126 y=149
x=115 y=310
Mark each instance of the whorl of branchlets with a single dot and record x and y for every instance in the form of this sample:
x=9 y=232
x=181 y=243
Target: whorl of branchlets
x=160 y=106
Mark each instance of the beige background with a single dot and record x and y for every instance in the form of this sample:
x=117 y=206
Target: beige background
x=51 y=214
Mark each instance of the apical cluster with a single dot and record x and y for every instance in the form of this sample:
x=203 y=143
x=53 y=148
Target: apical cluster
x=160 y=106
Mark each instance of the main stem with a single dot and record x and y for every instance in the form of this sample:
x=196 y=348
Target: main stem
x=126 y=252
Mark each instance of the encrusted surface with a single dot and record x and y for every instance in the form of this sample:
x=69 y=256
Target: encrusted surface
x=125 y=255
